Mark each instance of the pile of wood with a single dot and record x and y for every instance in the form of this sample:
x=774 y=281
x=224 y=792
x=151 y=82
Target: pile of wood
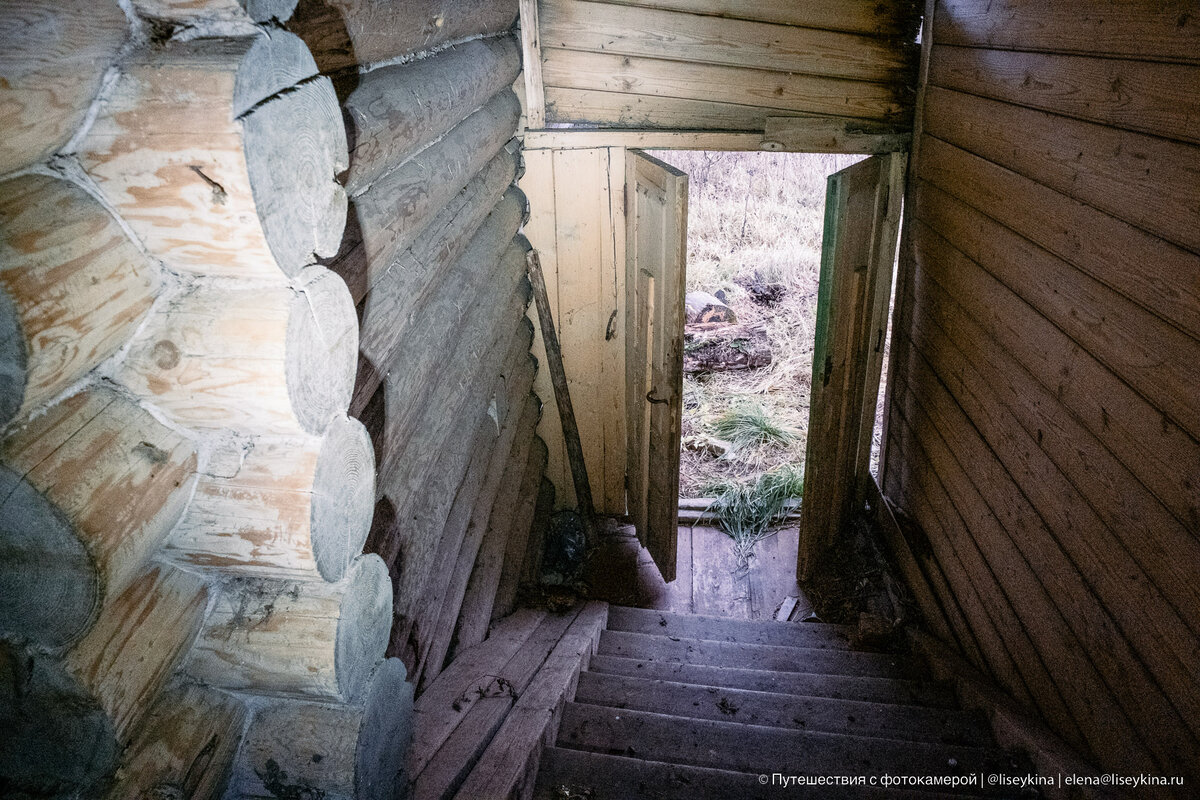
x=713 y=341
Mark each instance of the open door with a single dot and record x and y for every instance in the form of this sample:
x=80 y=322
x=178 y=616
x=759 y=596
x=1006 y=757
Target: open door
x=655 y=261
x=862 y=219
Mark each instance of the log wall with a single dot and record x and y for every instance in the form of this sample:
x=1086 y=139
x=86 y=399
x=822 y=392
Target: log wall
x=1042 y=428
x=211 y=401
x=705 y=65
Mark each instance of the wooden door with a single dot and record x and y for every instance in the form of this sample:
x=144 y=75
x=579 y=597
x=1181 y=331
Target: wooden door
x=655 y=259
x=862 y=216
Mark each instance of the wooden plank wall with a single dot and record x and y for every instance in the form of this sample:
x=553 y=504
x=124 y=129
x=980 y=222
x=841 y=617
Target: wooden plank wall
x=1044 y=411
x=577 y=224
x=709 y=65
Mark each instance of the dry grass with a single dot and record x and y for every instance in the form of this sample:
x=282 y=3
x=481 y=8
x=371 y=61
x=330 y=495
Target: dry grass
x=754 y=217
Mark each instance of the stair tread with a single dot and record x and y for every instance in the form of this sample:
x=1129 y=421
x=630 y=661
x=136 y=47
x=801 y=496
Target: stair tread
x=849 y=687
x=601 y=776
x=774 y=658
x=864 y=718
x=724 y=629
x=757 y=749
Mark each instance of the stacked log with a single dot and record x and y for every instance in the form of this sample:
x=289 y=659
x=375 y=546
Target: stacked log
x=273 y=359
x=92 y=488
x=73 y=289
x=309 y=639
x=185 y=499
x=53 y=62
x=221 y=155
x=337 y=752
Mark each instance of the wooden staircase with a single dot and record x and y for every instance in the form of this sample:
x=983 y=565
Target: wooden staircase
x=675 y=706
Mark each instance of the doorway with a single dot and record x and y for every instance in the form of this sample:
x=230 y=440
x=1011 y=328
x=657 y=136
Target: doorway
x=582 y=208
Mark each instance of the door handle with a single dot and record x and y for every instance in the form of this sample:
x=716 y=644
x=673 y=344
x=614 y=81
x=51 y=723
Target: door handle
x=657 y=400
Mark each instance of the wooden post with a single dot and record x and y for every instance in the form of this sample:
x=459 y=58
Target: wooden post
x=562 y=396
x=531 y=66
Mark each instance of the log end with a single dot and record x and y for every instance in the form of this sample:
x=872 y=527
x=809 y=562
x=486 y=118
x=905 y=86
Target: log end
x=49 y=587
x=322 y=349
x=385 y=735
x=363 y=626
x=295 y=146
x=343 y=497
x=56 y=740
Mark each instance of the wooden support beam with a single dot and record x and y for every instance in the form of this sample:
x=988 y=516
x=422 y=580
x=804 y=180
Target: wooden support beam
x=73 y=289
x=531 y=65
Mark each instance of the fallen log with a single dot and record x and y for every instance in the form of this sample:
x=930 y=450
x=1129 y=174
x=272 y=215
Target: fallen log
x=221 y=155
x=702 y=307
x=717 y=347
x=73 y=289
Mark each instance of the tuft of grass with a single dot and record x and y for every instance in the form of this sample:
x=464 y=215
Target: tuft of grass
x=748 y=424
x=746 y=509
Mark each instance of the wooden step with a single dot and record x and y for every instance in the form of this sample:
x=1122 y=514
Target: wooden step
x=875 y=690
x=599 y=776
x=724 y=629
x=757 y=656
x=510 y=763
x=757 y=749
x=884 y=720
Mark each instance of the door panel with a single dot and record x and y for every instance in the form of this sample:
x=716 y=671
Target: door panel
x=862 y=214
x=656 y=252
